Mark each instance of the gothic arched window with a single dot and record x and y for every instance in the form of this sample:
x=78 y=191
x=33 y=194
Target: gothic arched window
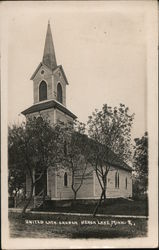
x=65 y=179
x=59 y=93
x=116 y=180
x=126 y=183
x=42 y=91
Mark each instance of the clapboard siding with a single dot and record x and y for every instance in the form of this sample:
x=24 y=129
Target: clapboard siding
x=49 y=114
x=112 y=191
x=47 y=77
x=52 y=80
x=60 y=80
x=62 y=191
x=60 y=116
x=90 y=187
x=28 y=185
x=51 y=192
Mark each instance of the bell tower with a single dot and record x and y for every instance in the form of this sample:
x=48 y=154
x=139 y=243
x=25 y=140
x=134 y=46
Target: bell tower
x=49 y=86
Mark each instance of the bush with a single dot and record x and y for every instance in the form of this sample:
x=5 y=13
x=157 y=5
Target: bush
x=11 y=202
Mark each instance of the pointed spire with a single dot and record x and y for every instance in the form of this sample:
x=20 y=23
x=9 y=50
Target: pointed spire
x=49 y=58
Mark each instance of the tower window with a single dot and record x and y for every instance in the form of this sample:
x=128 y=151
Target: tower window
x=116 y=180
x=65 y=180
x=59 y=93
x=42 y=91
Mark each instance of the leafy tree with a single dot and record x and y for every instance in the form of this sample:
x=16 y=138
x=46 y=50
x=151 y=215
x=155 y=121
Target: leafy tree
x=75 y=144
x=32 y=148
x=16 y=187
x=140 y=162
x=110 y=131
x=16 y=180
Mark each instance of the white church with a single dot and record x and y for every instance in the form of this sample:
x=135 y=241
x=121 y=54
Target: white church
x=49 y=87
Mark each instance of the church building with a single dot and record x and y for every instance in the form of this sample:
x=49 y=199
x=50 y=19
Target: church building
x=49 y=88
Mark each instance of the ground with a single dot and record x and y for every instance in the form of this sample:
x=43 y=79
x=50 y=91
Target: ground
x=64 y=226
x=48 y=225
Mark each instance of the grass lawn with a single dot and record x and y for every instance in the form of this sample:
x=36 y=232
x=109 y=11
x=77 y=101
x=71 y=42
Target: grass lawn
x=117 y=206
x=64 y=226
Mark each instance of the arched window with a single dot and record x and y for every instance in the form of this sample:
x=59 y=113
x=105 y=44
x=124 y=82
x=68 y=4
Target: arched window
x=42 y=91
x=117 y=180
x=65 y=179
x=59 y=93
x=126 y=183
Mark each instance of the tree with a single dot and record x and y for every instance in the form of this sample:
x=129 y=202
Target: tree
x=110 y=131
x=16 y=180
x=75 y=144
x=32 y=148
x=140 y=162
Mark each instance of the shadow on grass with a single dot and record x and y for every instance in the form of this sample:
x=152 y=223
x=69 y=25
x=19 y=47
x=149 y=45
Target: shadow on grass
x=118 y=206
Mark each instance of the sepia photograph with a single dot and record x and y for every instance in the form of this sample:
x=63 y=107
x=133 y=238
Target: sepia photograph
x=79 y=94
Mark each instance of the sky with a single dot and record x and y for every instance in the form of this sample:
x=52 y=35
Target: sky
x=101 y=46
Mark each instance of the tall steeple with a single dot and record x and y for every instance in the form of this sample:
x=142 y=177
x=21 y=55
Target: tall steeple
x=49 y=58
x=49 y=88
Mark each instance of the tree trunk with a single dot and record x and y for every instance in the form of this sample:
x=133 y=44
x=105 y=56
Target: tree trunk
x=104 y=192
x=104 y=195
x=29 y=199
x=15 y=199
x=98 y=204
x=15 y=202
x=75 y=195
x=104 y=188
x=44 y=195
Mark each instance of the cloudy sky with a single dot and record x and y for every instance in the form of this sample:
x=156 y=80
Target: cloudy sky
x=102 y=47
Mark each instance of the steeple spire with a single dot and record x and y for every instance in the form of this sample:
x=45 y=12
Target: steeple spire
x=49 y=58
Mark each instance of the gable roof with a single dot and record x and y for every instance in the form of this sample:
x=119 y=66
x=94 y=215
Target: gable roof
x=63 y=73
x=117 y=162
x=47 y=105
x=52 y=71
x=112 y=158
x=37 y=69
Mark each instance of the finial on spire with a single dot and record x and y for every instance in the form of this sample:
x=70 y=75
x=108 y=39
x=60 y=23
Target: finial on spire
x=49 y=58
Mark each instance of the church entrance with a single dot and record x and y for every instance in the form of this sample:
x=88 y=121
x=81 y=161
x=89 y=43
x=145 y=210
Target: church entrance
x=41 y=185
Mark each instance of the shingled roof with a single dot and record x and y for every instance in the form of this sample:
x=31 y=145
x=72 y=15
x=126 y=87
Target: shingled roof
x=47 y=105
x=49 y=58
x=112 y=158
